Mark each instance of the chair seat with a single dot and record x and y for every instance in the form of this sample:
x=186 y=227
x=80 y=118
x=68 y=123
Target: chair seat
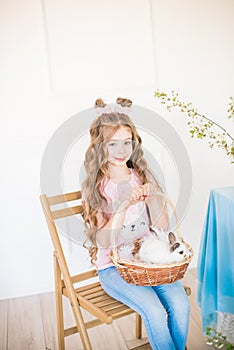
x=93 y=298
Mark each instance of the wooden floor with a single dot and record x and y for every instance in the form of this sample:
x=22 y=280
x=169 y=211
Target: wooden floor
x=29 y=323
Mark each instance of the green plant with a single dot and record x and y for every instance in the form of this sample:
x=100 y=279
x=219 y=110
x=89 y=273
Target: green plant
x=217 y=340
x=200 y=125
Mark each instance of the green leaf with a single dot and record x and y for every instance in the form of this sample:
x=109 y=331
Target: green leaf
x=201 y=123
x=209 y=343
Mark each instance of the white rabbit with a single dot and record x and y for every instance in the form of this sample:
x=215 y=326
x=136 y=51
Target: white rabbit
x=166 y=249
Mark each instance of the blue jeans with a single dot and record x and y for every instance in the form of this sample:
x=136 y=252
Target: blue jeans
x=164 y=309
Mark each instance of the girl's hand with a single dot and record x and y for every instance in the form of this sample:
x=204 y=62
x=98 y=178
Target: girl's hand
x=137 y=194
x=132 y=196
x=149 y=191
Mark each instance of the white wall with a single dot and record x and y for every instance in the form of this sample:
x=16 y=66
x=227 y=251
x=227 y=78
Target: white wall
x=46 y=78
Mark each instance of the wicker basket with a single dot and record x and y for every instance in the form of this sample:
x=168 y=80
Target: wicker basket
x=145 y=274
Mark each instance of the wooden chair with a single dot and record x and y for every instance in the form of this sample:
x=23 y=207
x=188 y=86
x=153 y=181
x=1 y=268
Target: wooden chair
x=90 y=297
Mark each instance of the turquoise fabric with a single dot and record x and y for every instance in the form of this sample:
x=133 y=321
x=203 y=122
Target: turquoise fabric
x=215 y=269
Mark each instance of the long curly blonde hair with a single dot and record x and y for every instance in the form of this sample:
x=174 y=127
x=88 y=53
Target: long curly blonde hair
x=96 y=166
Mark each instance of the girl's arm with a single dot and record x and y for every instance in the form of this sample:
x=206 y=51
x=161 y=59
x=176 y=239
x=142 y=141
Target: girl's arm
x=114 y=225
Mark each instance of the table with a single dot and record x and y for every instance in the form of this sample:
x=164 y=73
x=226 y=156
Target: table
x=215 y=270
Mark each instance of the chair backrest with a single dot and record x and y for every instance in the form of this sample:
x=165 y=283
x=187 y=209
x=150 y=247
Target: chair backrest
x=52 y=214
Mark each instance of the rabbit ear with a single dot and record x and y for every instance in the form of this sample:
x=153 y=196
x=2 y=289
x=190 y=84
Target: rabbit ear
x=172 y=237
x=174 y=246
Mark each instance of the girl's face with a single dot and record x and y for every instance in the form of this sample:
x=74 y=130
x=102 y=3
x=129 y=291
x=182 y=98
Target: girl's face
x=119 y=147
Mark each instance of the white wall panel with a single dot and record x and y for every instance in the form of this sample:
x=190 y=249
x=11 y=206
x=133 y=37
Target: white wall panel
x=195 y=55
x=99 y=45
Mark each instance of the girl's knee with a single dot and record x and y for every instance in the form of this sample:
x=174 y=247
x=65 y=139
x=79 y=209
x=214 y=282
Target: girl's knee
x=184 y=303
x=187 y=306
x=179 y=306
x=181 y=311
x=181 y=302
x=154 y=315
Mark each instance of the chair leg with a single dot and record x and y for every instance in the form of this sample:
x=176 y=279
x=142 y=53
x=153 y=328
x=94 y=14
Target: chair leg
x=138 y=326
x=59 y=305
x=75 y=308
x=81 y=326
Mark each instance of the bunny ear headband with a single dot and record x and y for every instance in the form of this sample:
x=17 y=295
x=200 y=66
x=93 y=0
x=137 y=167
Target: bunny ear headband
x=122 y=106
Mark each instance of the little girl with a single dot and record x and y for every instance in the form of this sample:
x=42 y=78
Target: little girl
x=120 y=198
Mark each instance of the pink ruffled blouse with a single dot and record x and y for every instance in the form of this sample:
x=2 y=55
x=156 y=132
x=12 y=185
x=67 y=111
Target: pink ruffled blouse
x=136 y=222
